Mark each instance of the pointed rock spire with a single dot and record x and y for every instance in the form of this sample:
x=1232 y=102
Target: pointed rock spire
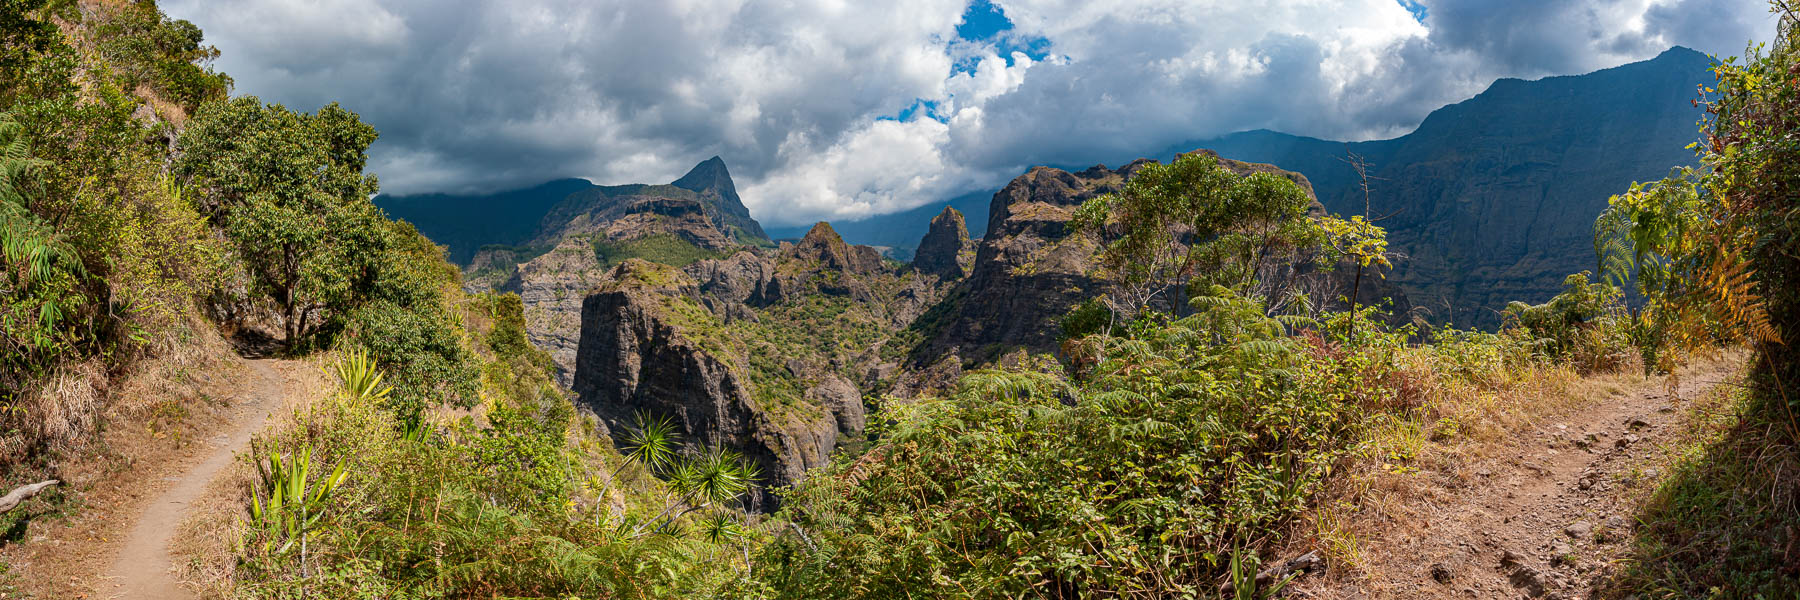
x=940 y=251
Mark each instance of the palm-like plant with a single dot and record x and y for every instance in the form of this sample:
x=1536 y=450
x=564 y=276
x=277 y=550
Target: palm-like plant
x=715 y=478
x=651 y=442
x=360 y=378
x=296 y=503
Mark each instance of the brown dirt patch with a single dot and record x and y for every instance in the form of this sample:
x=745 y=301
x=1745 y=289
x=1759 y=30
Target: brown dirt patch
x=172 y=428
x=1540 y=514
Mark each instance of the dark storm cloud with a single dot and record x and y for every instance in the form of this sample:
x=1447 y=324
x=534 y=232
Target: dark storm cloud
x=800 y=97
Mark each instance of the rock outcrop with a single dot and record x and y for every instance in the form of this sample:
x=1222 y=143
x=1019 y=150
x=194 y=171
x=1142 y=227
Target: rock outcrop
x=557 y=268
x=647 y=349
x=767 y=353
x=1029 y=271
x=941 y=251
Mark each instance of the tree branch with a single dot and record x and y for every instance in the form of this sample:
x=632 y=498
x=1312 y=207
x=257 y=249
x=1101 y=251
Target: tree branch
x=22 y=493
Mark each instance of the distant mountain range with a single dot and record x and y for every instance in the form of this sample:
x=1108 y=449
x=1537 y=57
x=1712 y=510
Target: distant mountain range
x=1493 y=199
x=899 y=233
x=518 y=217
x=1490 y=200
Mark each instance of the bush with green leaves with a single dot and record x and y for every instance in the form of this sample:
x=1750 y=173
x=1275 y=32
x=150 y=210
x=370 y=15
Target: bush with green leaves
x=1586 y=324
x=147 y=48
x=290 y=191
x=1186 y=445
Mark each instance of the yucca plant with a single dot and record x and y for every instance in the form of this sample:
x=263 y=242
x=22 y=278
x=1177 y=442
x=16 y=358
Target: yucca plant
x=715 y=478
x=295 y=503
x=651 y=442
x=360 y=378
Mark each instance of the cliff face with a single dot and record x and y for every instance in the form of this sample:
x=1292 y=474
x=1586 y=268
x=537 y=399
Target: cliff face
x=1494 y=199
x=583 y=236
x=941 y=252
x=768 y=353
x=646 y=347
x=1029 y=271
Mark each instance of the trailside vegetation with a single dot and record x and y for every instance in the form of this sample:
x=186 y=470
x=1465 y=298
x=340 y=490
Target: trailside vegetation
x=1715 y=251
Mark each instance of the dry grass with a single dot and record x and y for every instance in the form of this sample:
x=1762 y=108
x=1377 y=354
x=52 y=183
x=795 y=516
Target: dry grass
x=1464 y=427
x=1462 y=424
x=121 y=439
x=209 y=540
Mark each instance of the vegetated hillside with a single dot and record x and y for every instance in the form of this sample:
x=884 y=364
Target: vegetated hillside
x=767 y=353
x=587 y=233
x=773 y=352
x=1173 y=425
x=1031 y=269
x=466 y=223
x=144 y=214
x=518 y=217
x=1493 y=199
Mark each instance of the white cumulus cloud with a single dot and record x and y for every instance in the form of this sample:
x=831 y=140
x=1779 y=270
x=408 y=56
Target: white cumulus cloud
x=802 y=97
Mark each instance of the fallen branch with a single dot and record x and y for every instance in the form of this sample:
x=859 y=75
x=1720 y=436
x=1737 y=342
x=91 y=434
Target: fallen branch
x=24 y=492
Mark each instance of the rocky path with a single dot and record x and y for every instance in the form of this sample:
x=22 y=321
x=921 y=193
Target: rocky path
x=1544 y=520
x=144 y=567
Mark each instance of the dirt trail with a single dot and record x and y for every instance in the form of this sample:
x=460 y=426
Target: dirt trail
x=144 y=568
x=1546 y=519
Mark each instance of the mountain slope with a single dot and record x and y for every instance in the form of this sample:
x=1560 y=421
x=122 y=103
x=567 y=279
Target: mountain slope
x=1494 y=198
x=518 y=217
x=466 y=223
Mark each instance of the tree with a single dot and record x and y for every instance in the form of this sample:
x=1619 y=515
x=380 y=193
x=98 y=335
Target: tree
x=1363 y=243
x=1194 y=222
x=289 y=189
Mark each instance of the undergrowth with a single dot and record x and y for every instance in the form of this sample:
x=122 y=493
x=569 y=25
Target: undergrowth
x=1725 y=521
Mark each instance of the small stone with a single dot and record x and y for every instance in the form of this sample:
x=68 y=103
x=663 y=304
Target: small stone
x=1585 y=483
x=1579 y=529
x=1652 y=473
x=1529 y=580
x=1441 y=573
x=1561 y=553
x=1637 y=423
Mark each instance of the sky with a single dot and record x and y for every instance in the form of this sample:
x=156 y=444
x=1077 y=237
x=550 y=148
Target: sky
x=838 y=110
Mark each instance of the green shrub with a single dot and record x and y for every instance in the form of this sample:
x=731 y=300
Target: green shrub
x=1187 y=445
x=1586 y=324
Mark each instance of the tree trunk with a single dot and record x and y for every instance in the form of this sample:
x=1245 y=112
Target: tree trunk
x=22 y=493
x=1355 y=292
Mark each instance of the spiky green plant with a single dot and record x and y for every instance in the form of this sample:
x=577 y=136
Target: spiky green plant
x=360 y=378
x=295 y=503
x=651 y=442
x=715 y=478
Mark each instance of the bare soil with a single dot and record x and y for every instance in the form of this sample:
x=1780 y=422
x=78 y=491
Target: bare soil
x=131 y=492
x=1545 y=518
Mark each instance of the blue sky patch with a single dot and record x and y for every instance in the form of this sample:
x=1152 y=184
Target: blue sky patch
x=984 y=22
x=1413 y=6
x=921 y=106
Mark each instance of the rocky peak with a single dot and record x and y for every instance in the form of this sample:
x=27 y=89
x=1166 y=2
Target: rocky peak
x=711 y=179
x=709 y=175
x=823 y=247
x=940 y=252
